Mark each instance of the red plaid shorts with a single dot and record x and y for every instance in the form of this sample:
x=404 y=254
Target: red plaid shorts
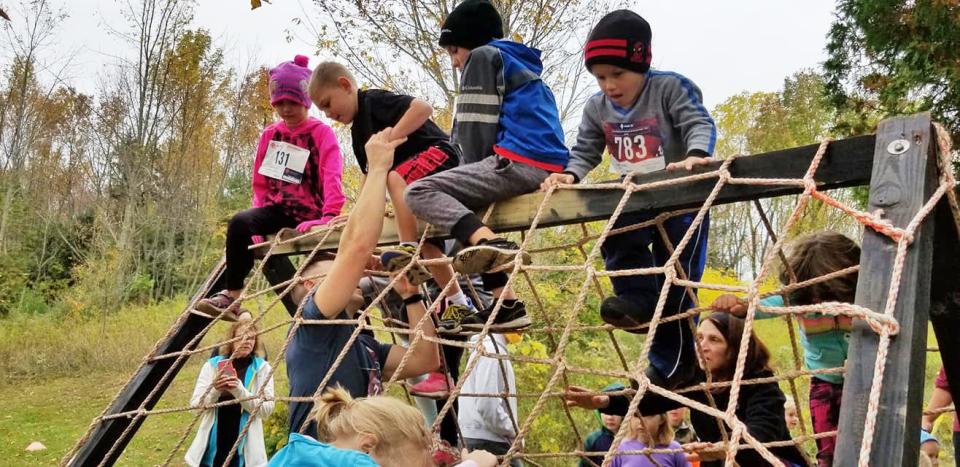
x=428 y=162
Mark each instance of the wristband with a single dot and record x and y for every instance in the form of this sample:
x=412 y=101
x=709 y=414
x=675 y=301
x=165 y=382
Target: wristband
x=415 y=299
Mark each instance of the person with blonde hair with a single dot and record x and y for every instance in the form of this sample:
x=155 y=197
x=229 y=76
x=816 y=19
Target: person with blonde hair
x=238 y=372
x=366 y=432
x=653 y=432
x=313 y=356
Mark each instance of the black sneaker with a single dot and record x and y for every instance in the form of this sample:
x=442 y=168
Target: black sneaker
x=488 y=255
x=452 y=316
x=509 y=318
x=685 y=375
x=625 y=314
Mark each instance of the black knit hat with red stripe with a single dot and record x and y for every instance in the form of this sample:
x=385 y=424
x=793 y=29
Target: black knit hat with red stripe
x=471 y=24
x=621 y=38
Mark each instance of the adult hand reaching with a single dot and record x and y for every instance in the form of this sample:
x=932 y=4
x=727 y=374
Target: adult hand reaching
x=577 y=396
x=730 y=303
x=380 y=150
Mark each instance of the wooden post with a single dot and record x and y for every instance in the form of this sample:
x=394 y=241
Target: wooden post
x=904 y=177
x=103 y=436
x=106 y=434
x=945 y=295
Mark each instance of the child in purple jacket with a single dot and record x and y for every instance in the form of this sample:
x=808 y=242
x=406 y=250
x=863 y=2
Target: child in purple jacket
x=296 y=180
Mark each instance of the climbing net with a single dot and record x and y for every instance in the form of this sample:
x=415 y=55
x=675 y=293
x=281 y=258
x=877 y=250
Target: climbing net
x=559 y=322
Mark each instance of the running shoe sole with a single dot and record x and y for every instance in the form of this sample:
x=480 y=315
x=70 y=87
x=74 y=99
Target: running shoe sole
x=515 y=324
x=417 y=274
x=482 y=258
x=431 y=395
x=209 y=310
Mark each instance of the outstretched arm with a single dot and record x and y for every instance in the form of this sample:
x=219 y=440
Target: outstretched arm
x=362 y=231
x=416 y=115
x=425 y=354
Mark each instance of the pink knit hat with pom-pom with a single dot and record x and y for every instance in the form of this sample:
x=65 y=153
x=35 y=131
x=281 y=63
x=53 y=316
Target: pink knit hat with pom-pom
x=289 y=80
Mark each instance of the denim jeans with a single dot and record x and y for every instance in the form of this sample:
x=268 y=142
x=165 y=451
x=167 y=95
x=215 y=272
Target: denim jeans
x=673 y=346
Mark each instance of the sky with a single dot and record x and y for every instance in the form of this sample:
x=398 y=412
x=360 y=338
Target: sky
x=726 y=47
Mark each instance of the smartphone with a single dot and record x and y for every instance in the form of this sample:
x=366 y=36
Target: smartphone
x=226 y=367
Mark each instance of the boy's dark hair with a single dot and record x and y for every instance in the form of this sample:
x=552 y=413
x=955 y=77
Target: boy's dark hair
x=758 y=357
x=471 y=24
x=320 y=257
x=622 y=39
x=817 y=254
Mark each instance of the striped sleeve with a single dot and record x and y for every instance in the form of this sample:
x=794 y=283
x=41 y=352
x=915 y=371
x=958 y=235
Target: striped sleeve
x=685 y=104
x=477 y=114
x=587 y=153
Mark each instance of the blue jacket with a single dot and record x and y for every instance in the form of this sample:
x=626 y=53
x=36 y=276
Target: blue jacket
x=504 y=107
x=304 y=451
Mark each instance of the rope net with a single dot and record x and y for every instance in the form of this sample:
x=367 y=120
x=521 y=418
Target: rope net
x=562 y=288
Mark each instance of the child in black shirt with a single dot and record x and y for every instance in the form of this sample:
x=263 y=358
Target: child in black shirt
x=427 y=151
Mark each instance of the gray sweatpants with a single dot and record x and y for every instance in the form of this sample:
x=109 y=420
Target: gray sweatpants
x=444 y=198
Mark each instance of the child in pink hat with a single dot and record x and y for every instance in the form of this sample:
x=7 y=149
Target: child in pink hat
x=296 y=181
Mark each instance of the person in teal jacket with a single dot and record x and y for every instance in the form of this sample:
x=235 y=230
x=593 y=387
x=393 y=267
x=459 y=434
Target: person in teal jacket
x=823 y=337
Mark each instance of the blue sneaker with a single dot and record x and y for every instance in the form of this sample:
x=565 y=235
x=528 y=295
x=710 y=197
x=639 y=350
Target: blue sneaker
x=397 y=258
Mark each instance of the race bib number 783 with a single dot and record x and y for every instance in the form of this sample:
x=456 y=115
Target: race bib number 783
x=635 y=146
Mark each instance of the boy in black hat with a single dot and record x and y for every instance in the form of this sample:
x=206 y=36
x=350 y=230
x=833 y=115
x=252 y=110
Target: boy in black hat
x=508 y=129
x=648 y=120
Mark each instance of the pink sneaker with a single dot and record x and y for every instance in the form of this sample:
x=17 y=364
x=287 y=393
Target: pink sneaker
x=223 y=305
x=436 y=386
x=444 y=455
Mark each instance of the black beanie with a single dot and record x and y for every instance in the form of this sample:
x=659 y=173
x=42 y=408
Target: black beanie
x=621 y=38
x=471 y=24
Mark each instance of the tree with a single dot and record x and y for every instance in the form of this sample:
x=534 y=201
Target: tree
x=18 y=114
x=392 y=44
x=752 y=123
x=895 y=57
x=141 y=109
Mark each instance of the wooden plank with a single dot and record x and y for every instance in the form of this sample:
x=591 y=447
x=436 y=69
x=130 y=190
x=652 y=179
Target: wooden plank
x=945 y=295
x=847 y=163
x=900 y=184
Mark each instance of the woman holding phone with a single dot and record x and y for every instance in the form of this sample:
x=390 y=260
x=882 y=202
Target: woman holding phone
x=238 y=373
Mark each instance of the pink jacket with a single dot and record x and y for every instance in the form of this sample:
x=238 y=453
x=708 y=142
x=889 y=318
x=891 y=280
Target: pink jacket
x=320 y=194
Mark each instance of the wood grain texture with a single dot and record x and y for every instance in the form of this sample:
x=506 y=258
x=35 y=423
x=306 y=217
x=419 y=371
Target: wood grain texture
x=847 y=163
x=900 y=184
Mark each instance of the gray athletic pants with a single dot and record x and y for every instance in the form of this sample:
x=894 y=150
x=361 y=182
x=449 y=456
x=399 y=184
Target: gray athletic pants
x=445 y=198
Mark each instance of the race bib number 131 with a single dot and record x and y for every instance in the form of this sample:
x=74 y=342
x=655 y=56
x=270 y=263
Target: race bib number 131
x=284 y=161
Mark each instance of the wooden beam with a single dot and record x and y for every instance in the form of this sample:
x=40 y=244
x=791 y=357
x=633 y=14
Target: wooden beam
x=847 y=163
x=105 y=435
x=900 y=185
x=945 y=295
